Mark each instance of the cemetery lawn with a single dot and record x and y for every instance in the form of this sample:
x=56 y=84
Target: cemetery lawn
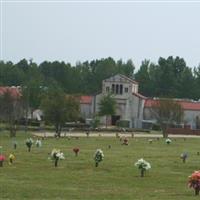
x=33 y=176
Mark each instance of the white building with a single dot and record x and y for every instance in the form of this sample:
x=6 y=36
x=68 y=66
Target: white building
x=130 y=103
x=131 y=106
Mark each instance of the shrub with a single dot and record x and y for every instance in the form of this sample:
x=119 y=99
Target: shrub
x=123 y=123
x=156 y=127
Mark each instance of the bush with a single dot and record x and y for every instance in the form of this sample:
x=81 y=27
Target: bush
x=156 y=127
x=95 y=122
x=123 y=123
x=30 y=122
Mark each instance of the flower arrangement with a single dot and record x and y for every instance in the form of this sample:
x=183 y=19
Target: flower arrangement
x=125 y=141
x=11 y=158
x=38 y=143
x=87 y=133
x=76 y=150
x=98 y=157
x=150 y=141
x=168 y=141
x=194 y=182
x=142 y=166
x=2 y=159
x=184 y=156
x=29 y=143
x=56 y=155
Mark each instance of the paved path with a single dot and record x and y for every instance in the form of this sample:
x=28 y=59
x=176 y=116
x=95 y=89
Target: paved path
x=108 y=134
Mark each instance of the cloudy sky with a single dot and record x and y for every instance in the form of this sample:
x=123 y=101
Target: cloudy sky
x=86 y=30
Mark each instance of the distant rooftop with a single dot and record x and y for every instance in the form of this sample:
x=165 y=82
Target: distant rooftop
x=186 y=104
x=14 y=91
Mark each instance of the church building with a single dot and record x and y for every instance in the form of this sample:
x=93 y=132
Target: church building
x=131 y=106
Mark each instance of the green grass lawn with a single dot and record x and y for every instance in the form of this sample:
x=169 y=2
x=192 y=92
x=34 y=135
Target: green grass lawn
x=33 y=176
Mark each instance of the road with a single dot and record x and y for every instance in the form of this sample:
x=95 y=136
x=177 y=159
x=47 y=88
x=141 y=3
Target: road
x=108 y=134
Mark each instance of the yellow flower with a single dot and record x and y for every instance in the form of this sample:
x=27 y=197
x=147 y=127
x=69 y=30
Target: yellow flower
x=11 y=156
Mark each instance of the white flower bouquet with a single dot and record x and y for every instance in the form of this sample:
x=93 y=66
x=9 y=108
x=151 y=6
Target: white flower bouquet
x=184 y=156
x=143 y=166
x=168 y=141
x=38 y=143
x=98 y=157
x=150 y=141
x=29 y=143
x=57 y=155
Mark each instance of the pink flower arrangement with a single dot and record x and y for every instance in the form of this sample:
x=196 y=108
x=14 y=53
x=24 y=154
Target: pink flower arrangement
x=194 y=182
x=125 y=141
x=2 y=158
x=76 y=150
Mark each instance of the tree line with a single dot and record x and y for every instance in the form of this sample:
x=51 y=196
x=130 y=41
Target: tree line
x=170 y=77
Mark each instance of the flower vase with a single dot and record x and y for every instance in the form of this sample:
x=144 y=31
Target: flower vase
x=197 y=191
x=96 y=164
x=142 y=172
x=1 y=163
x=11 y=161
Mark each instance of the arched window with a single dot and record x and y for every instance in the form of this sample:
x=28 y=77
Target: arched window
x=121 y=89
x=117 y=89
x=113 y=88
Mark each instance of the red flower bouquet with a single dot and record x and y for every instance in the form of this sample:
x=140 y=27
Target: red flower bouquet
x=194 y=182
x=125 y=141
x=2 y=158
x=76 y=150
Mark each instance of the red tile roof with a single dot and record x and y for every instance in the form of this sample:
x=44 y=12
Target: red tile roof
x=14 y=91
x=86 y=99
x=186 y=105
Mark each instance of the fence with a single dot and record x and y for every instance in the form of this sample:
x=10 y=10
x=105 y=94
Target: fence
x=183 y=131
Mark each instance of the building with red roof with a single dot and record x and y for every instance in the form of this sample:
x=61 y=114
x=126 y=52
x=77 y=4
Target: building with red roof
x=191 y=111
x=185 y=104
x=132 y=106
x=15 y=92
x=87 y=106
x=85 y=99
x=129 y=101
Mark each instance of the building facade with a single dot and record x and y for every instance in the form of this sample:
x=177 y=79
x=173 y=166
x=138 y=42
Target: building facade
x=131 y=106
x=129 y=103
x=190 y=108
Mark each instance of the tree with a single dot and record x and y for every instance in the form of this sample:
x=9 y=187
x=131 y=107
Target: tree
x=167 y=112
x=10 y=109
x=31 y=97
x=107 y=106
x=126 y=69
x=169 y=74
x=197 y=82
x=59 y=108
x=186 y=85
x=143 y=77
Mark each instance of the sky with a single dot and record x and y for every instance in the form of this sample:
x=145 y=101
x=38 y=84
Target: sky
x=74 y=31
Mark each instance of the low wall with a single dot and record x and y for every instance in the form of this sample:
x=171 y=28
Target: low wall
x=183 y=131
